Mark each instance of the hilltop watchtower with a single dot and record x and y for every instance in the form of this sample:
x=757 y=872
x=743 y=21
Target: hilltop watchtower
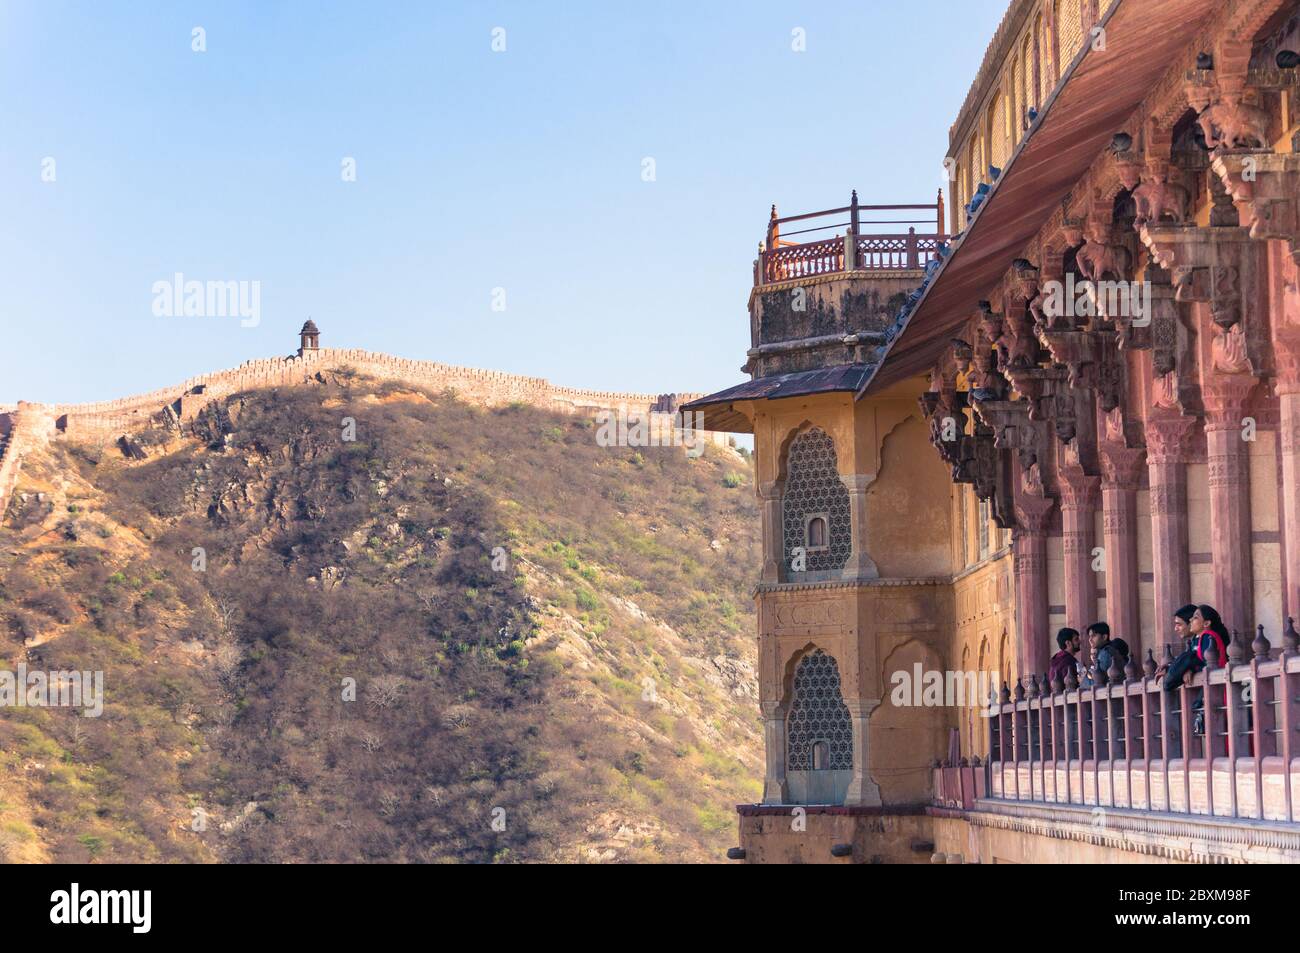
x=308 y=338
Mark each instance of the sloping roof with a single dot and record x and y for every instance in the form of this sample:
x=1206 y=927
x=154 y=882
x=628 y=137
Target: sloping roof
x=1100 y=90
x=719 y=416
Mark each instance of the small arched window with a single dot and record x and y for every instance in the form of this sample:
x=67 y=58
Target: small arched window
x=821 y=756
x=815 y=533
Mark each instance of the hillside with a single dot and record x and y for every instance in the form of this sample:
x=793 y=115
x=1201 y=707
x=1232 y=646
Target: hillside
x=550 y=641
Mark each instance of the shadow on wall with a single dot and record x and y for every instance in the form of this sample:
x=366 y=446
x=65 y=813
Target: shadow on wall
x=904 y=739
x=908 y=509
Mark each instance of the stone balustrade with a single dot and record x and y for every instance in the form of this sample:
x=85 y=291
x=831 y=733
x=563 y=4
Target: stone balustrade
x=1222 y=744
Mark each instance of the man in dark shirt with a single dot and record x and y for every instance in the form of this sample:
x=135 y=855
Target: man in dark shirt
x=1065 y=660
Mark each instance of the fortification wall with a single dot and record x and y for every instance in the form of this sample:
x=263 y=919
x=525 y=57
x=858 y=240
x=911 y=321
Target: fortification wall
x=20 y=428
x=487 y=388
x=8 y=470
x=107 y=420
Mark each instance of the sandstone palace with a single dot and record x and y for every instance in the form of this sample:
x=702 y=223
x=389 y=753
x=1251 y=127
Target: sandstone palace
x=1071 y=397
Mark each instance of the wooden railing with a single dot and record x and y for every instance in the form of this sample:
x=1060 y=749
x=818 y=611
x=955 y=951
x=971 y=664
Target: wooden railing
x=801 y=261
x=847 y=249
x=893 y=252
x=1224 y=745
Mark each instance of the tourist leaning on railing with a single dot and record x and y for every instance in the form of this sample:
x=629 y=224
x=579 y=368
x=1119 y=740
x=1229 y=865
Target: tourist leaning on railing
x=1192 y=658
x=1066 y=660
x=1104 y=650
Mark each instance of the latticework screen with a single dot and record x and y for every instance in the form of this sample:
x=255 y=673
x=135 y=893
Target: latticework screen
x=813 y=485
x=818 y=714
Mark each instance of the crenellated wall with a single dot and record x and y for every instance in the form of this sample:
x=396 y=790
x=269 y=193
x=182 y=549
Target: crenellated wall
x=23 y=424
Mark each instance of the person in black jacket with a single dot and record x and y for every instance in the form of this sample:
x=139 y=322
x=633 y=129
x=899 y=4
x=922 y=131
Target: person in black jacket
x=1183 y=624
x=1104 y=648
x=1182 y=635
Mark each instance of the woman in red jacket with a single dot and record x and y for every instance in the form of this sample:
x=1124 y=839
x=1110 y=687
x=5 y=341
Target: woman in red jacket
x=1207 y=627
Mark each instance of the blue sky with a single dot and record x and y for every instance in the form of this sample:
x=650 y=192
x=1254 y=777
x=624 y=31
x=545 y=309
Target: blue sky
x=475 y=170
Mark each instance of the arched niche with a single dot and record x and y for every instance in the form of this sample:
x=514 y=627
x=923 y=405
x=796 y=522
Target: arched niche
x=818 y=730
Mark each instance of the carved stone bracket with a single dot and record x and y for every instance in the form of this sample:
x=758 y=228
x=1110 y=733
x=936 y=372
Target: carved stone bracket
x=1040 y=387
x=990 y=356
x=1078 y=351
x=1161 y=197
x=1173 y=350
x=1104 y=256
x=1072 y=411
x=1053 y=271
x=1227 y=110
x=988 y=468
x=1033 y=507
x=1223 y=267
x=1264 y=187
x=1019 y=337
x=1013 y=429
x=944 y=408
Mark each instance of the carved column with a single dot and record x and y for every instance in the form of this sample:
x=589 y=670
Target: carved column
x=1224 y=271
x=1286 y=354
x=1029 y=551
x=1288 y=392
x=1029 y=548
x=1121 y=469
x=863 y=791
x=860 y=565
x=1079 y=498
x=1286 y=342
x=1227 y=399
x=1169 y=437
x=769 y=501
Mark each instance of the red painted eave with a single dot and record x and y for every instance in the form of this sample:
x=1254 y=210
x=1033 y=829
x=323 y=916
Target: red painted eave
x=1101 y=90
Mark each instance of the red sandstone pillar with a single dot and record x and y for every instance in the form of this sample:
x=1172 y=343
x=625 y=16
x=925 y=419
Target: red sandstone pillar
x=1079 y=497
x=1227 y=400
x=1121 y=474
x=1290 y=404
x=1288 y=393
x=1029 y=550
x=1168 y=449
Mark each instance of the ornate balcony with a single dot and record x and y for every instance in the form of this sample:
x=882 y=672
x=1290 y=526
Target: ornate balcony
x=849 y=248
